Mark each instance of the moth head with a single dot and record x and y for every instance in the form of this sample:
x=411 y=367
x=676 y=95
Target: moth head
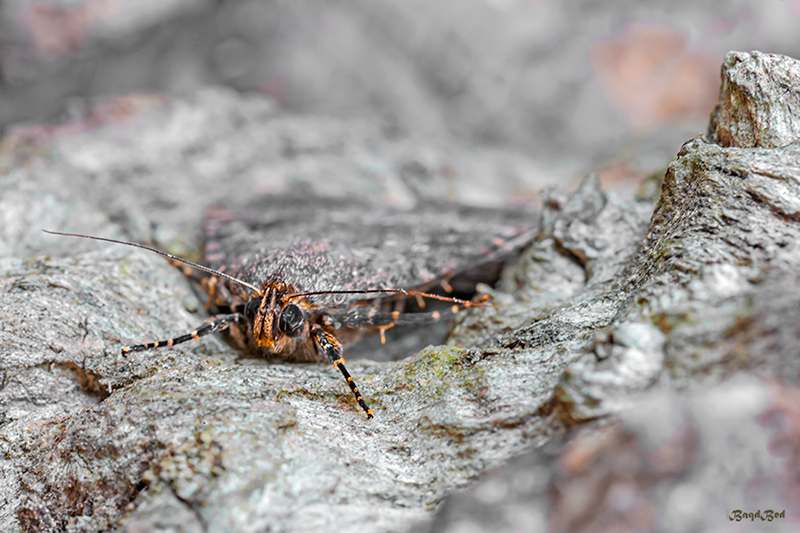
x=273 y=319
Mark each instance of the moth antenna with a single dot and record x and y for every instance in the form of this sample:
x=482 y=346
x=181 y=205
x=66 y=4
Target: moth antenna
x=393 y=291
x=165 y=254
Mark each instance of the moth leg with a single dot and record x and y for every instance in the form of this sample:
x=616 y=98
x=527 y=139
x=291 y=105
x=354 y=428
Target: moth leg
x=370 y=317
x=333 y=351
x=444 y=283
x=212 y=325
x=217 y=291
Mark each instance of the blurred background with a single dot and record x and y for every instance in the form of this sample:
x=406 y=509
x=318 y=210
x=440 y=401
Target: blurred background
x=613 y=87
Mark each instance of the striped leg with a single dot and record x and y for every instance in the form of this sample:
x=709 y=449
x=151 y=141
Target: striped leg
x=212 y=325
x=333 y=351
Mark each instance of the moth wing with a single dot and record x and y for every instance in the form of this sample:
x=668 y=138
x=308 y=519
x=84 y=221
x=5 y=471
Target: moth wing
x=342 y=244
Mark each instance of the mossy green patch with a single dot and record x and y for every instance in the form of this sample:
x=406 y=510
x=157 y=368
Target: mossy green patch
x=440 y=370
x=666 y=322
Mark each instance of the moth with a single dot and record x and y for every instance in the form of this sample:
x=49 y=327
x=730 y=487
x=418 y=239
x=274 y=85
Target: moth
x=298 y=278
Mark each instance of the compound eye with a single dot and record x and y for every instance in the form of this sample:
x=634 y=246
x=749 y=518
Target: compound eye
x=251 y=308
x=291 y=320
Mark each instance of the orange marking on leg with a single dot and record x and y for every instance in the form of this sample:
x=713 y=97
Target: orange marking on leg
x=446 y=286
x=454 y=309
x=194 y=334
x=436 y=315
x=383 y=329
x=170 y=342
x=211 y=289
x=420 y=301
x=395 y=315
x=155 y=344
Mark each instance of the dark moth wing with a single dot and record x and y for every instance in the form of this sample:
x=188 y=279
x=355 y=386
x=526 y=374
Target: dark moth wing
x=320 y=244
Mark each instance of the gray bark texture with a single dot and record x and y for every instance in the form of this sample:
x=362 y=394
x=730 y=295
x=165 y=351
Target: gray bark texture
x=639 y=370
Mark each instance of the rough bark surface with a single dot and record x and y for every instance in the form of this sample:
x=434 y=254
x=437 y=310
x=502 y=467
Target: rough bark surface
x=642 y=356
x=690 y=383
x=759 y=102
